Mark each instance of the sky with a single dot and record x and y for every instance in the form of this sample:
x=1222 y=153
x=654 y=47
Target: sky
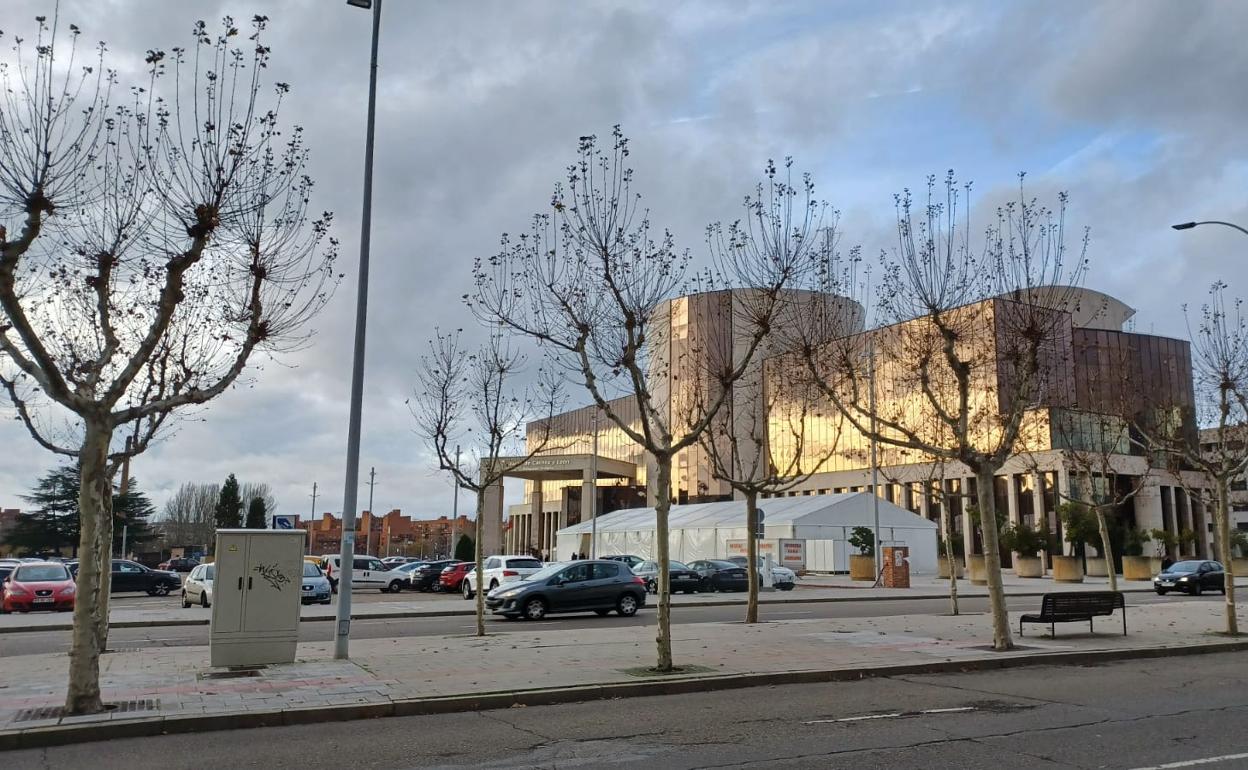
x=1135 y=108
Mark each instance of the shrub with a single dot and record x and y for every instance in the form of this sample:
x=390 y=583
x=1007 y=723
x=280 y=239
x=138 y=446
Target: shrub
x=1133 y=541
x=1079 y=524
x=1164 y=541
x=863 y=539
x=465 y=549
x=1024 y=540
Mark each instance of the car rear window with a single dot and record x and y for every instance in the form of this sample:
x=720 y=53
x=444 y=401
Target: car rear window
x=40 y=573
x=524 y=563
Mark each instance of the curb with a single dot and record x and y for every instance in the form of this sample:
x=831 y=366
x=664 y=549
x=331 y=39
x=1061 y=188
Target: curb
x=409 y=614
x=61 y=735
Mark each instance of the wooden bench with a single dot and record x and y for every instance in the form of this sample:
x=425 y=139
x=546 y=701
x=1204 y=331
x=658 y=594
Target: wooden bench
x=1076 y=605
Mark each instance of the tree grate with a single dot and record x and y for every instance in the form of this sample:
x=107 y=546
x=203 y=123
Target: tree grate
x=58 y=712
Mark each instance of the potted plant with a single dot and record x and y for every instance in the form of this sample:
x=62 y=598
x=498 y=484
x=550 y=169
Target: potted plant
x=979 y=570
x=1135 y=565
x=862 y=564
x=1079 y=529
x=1187 y=543
x=1027 y=543
x=942 y=562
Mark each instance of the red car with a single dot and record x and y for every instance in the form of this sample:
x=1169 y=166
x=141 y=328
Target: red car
x=453 y=576
x=39 y=586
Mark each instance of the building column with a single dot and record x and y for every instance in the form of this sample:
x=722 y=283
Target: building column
x=1042 y=515
x=535 y=502
x=492 y=524
x=588 y=493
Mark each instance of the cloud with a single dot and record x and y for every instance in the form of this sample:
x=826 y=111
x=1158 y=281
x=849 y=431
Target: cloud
x=1135 y=108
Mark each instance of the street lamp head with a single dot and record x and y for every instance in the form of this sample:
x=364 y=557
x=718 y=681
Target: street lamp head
x=1184 y=226
x=365 y=4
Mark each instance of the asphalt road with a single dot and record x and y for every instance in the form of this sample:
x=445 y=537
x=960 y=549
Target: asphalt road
x=1183 y=712
x=34 y=643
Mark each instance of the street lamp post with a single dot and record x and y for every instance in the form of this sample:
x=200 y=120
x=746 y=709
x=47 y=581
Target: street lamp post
x=1190 y=225
x=342 y=626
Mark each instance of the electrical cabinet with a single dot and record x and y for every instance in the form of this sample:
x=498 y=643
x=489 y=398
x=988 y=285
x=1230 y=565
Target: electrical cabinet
x=256 y=596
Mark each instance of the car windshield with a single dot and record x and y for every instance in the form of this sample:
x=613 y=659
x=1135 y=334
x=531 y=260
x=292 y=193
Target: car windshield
x=523 y=564
x=1185 y=566
x=311 y=570
x=40 y=573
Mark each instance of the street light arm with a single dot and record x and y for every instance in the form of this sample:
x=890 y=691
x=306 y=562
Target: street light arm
x=1190 y=225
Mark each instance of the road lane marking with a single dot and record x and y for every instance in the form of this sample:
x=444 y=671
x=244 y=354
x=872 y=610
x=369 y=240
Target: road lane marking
x=1195 y=762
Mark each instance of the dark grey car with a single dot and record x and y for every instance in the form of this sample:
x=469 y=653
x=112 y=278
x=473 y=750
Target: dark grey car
x=582 y=586
x=1194 y=576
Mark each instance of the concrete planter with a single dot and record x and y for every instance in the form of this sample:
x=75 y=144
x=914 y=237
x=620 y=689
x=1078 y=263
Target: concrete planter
x=1140 y=567
x=1067 y=569
x=861 y=567
x=1095 y=567
x=942 y=566
x=979 y=571
x=1029 y=567
x=1239 y=567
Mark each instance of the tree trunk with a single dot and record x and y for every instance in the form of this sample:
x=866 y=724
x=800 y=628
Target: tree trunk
x=751 y=556
x=90 y=634
x=1222 y=523
x=1107 y=550
x=984 y=480
x=479 y=555
x=663 y=504
x=947 y=526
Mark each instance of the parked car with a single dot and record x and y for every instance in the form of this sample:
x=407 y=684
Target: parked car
x=178 y=565
x=424 y=575
x=782 y=578
x=394 y=562
x=629 y=559
x=198 y=586
x=680 y=577
x=39 y=586
x=452 y=577
x=1193 y=577
x=499 y=570
x=316 y=588
x=720 y=575
x=6 y=568
x=366 y=572
x=598 y=586
x=132 y=576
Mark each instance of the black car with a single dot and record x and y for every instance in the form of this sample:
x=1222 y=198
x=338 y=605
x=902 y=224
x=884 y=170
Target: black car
x=721 y=575
x=1193 y=577
x=598 y=586
x=681 y=577
x=132 y=576
x=425 y=577
x=629 y=559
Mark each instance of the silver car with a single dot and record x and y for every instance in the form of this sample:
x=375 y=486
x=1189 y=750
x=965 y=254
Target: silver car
x=316 y=589
x=198 y=586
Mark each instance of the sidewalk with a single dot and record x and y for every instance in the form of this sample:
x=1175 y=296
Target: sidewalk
x=174 y=690
x=815 y=588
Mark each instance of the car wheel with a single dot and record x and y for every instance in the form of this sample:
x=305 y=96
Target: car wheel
x=651 y=588
x=467 y=590
x=493 y=584
x=626 y=606
x=709 y=587
x=162 y=589
x=186 y=603
x=1197 y=590
x=203 y=600
x=535 y=609
x=1161 y=591
x=602 y=613
x=395 y=586
x=786 y=586
x=151 y=592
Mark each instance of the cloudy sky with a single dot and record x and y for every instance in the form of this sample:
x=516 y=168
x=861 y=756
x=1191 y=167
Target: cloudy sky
x=1137 y=108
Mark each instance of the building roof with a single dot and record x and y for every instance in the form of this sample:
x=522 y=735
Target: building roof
x=850 y=509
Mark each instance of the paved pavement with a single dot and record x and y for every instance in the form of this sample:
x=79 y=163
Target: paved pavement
x=140 y=611
x=173 y=691
x=38 y=642
x=1138 y=714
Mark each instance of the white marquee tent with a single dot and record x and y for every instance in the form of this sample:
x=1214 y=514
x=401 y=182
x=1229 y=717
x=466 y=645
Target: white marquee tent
x=705 y=530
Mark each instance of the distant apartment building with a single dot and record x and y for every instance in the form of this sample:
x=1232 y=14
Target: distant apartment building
x=390 y=535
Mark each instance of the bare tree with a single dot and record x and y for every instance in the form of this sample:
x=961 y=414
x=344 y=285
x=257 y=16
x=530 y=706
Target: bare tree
x=1220 y=364
x=189 y=514
x=160 y=237
x=973 y=349
x=593 y=284
x=476 y=399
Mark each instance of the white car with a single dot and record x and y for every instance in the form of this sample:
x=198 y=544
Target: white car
x=198 y=586
x=499 y=570
x=366 y=572
x=782 y=578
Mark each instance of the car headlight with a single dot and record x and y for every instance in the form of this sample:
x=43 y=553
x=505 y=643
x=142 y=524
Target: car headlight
x=1184 y=579
x=67 y=591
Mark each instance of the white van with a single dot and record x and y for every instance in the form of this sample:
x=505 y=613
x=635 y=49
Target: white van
x=366 y=572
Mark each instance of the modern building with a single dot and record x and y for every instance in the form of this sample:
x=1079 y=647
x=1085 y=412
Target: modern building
x=1092 y=367
x=1239 y=486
